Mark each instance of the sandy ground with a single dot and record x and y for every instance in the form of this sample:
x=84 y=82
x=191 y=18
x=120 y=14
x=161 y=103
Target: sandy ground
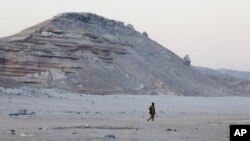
x=71 y=117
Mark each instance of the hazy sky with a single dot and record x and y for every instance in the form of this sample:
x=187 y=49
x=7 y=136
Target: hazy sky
x=215 y=33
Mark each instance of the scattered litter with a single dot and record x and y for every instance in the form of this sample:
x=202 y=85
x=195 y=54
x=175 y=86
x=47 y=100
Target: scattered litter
x=110 y=136
x=13 y=132
x=94 y=127
x=171 y=129
x=72 y=112
x=27 y=135
x=21 y=112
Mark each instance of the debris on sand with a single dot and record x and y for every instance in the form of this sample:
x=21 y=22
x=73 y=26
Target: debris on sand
x=27 y=135
x=13 y=132
x=171 y=130
x=72 y=112
x=110 y=136
x=96 y=127
x=21 y=112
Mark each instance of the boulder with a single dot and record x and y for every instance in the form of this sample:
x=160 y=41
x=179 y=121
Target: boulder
x=144 y=33
x=187 y=60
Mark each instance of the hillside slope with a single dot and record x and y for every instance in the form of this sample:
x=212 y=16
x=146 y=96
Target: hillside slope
x=235 y=80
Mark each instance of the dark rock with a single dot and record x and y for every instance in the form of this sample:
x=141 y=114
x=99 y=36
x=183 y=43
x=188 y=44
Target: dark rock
x=145 y=34
x=21 y=112
x=187 y=60
x=110 y=136
x=2 y=60
x=169 y=129
x=13 y=132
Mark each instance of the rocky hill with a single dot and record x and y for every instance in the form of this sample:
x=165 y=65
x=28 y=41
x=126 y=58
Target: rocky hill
x=87 y=53
x=235 y=80
x=238 y=74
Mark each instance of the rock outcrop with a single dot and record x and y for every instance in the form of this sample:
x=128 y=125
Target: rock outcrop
x=187 y=60
x=87 y=53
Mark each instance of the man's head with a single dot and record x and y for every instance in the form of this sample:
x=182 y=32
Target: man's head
x=153 y=103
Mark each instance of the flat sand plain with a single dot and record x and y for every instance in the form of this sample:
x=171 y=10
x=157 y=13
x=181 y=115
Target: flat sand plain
x=81 y=117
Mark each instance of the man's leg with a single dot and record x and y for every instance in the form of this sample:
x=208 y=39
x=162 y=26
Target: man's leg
x=153 y=117
x=150 y=117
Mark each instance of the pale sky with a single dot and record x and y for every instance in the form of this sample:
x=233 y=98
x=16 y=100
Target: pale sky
x=215 y=33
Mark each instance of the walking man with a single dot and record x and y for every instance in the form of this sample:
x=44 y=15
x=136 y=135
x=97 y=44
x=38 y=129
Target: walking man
x=152 y=112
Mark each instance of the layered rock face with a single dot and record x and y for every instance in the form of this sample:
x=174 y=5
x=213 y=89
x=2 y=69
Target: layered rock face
x=87 y=53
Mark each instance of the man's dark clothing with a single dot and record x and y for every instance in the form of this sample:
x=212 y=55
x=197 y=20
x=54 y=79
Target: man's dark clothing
x=152 y=112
